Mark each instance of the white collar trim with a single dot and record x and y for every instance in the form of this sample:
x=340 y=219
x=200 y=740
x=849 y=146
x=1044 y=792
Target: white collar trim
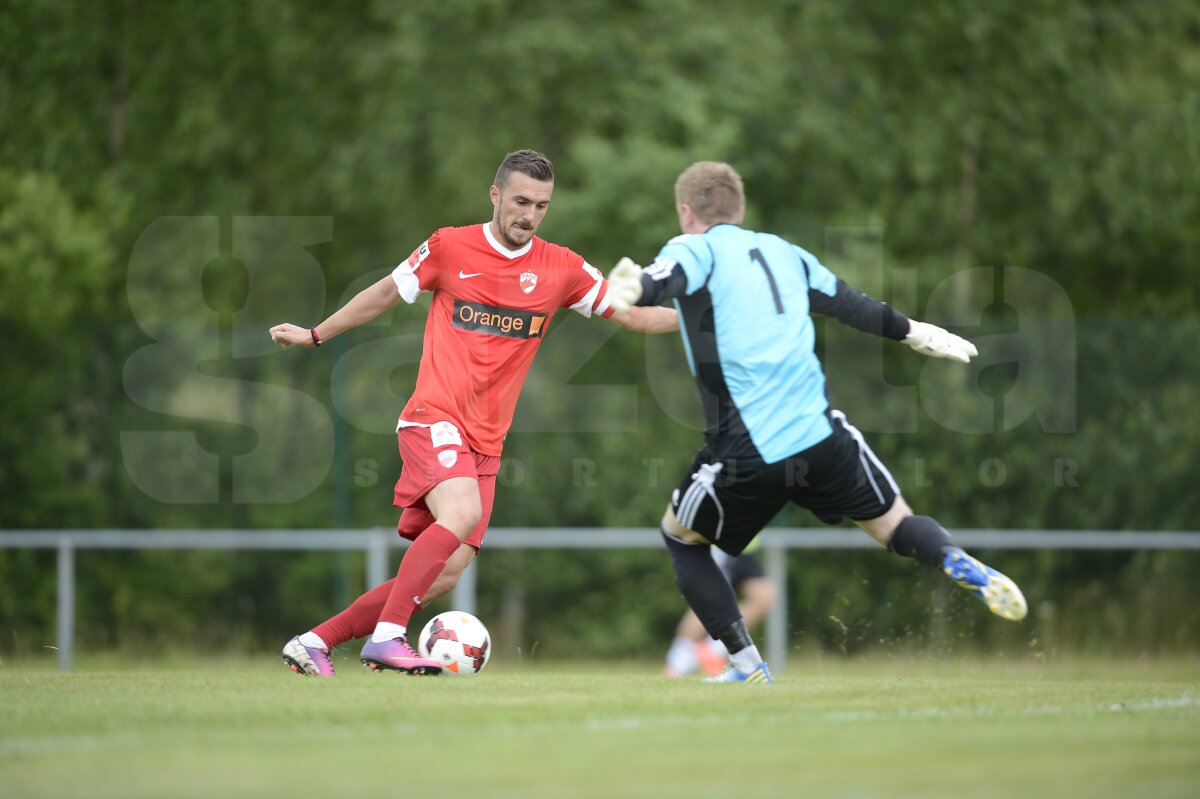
x=500 y=248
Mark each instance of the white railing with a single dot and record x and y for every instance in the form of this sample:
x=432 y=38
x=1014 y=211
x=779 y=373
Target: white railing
x=376 y=543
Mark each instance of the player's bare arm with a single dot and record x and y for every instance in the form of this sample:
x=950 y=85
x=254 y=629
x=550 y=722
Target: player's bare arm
x=362 y=308
x=647 y=320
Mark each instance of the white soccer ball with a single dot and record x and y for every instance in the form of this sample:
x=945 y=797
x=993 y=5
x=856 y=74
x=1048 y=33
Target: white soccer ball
x=458 y=641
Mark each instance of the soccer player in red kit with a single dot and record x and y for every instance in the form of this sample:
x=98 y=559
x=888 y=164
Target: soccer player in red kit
x=496 y=287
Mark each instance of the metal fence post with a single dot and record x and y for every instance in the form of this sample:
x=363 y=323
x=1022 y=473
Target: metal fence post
x=464 y=592
x=66 y=602
x=377 y=559
x=777 y=618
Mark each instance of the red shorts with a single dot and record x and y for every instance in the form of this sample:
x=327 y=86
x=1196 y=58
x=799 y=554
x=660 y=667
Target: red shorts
x=433 y=454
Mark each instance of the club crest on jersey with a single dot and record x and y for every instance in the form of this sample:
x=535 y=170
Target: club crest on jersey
x=528 y=281
x=447 y=457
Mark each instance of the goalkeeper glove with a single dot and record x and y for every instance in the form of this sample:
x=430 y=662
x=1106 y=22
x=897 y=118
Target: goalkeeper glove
x=624 y=285
x=935 y=342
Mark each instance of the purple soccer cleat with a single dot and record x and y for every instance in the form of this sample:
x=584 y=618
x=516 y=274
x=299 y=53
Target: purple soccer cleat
x=307 y=660
x=396 y=655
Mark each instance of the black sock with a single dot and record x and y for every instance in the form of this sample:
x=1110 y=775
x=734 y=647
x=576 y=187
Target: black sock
x=735 y=637
x=922 y=538
x=707 y=592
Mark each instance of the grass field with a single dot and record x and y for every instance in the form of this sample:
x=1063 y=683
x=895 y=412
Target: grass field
x=831 y=728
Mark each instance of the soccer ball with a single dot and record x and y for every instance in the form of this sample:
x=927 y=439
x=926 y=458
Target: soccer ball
x=458 y=641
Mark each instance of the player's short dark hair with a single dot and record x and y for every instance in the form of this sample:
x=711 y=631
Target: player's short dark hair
x=527 y=162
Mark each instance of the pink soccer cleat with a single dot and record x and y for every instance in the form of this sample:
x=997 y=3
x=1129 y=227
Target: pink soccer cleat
x=396 y=655
x=307 y=660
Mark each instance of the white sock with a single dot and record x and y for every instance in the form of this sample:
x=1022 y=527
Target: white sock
x=746 y=660
x=681 y=657
x=386 y=631
x=313 y=640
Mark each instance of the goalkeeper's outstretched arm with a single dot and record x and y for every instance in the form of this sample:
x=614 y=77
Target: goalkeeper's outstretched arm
x=860 y=311
x=661 y=281
x=863 y=312
x=630 y=285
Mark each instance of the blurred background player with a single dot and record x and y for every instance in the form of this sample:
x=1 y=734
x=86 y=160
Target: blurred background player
x=744 y=300
x=693 y=648
x=496 y=287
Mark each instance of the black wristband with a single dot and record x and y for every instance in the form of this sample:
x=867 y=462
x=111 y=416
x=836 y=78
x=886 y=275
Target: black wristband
x=316 y=339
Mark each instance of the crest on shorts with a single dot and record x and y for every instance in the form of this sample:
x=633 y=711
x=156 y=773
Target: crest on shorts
x=448 y=457
x=444 y=434
x=528 y=281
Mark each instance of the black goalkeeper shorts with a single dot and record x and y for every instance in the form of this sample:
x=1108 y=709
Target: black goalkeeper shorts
x=728 y=501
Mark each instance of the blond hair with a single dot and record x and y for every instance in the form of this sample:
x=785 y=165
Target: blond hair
x=713 y=190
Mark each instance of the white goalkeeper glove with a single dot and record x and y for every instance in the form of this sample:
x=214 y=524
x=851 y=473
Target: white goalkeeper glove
x=935 y=342
x=624 y=285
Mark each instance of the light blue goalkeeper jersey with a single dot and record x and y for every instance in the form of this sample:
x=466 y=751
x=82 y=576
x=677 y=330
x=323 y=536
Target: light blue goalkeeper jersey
x=745 y=322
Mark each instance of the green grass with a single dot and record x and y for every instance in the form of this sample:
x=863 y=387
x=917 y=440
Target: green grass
x=828 y=728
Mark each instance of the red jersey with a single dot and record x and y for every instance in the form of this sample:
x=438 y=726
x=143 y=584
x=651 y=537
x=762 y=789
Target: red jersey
x=491 y=307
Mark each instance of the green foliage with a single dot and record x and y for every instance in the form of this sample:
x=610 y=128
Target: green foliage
x=178 y=177
x=56 y=279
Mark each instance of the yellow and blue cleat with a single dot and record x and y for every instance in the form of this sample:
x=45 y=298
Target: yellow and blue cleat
x=999 y=593
x=760 y=676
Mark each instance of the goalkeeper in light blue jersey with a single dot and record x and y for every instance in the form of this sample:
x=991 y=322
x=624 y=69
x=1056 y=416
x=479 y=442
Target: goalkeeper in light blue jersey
x=744 y=300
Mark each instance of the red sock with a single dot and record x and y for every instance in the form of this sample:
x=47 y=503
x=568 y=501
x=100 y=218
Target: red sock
x=357 y=620
x=419 y=567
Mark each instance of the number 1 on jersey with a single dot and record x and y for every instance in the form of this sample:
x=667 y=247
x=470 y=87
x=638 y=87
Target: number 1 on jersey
x=756 y=255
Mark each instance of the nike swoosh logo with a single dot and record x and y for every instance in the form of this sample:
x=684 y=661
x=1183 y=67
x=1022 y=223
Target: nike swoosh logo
x=464 y=275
